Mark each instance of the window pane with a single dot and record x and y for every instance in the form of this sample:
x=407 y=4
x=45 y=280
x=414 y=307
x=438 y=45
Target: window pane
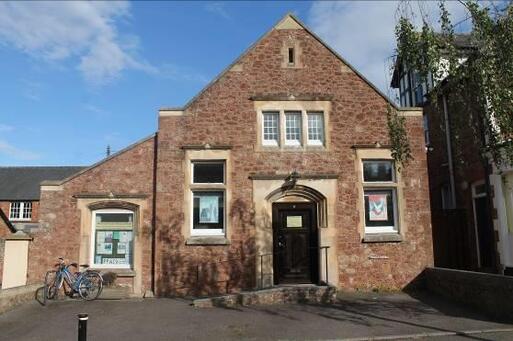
x=293 y=127
x=316 y=127
x=379 y=208
x=15 y=210
x=378 y=171
x=111 y=221
x=271 y=127
x=27 y=210
x=208 y=172
x=113 y=247
x=208 y=210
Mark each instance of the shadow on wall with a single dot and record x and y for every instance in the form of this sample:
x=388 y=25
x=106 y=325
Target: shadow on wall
x=196 y=271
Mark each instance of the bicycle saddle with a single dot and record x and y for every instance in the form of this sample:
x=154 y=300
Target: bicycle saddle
x=84 y=265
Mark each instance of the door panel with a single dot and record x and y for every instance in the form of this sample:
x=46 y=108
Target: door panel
x=295 y=243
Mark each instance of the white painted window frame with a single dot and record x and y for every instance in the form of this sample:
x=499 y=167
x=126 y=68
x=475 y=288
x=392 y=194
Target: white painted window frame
x=207 y=187
x=315 y=142
x=21 y=210
x=304 y=128
x=376 y=186
x=93 y=238
x=271 y=143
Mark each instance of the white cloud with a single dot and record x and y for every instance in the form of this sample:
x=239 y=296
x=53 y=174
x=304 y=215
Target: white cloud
x=217 y=8
x=363 y=31
x=57 y=31
x=17 y=153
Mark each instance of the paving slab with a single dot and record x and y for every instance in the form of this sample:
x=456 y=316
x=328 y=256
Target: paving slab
x=355 y=316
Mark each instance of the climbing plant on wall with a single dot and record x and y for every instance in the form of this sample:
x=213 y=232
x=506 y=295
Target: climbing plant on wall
x=481 y=79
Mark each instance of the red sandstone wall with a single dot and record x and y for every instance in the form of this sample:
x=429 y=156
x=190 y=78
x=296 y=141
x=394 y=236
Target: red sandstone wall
x=130 y=172
x=225 y=115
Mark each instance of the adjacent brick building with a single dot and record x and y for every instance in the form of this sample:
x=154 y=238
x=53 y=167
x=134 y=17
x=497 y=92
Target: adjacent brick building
x=284 y=153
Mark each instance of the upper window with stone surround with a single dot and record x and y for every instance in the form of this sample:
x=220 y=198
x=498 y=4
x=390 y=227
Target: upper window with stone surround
x=292 y=128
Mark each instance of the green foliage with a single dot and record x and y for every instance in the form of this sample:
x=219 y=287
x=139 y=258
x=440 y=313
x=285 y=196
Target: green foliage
x=484 y=82
x=401 y=151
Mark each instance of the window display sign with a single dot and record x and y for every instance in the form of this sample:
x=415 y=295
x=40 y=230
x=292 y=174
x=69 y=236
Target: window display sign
x=378 y=207
x=113 y=247
x=209 y=209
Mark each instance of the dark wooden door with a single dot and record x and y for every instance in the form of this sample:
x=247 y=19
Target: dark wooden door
x=295 y=243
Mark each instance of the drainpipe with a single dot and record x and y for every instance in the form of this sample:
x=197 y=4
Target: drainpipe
x=449 y=152
x=154 y=215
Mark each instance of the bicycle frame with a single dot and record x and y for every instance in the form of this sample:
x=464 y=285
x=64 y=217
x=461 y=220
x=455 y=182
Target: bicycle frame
x=63 y=274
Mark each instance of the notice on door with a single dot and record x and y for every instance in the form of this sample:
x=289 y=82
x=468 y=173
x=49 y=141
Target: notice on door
x=294 y=221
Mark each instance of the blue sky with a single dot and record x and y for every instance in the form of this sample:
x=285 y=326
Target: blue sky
x=78 y=76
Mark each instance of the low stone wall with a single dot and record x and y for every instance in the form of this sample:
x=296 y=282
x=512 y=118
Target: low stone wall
x=491 y=294
x=279 y=295
x=13 y=297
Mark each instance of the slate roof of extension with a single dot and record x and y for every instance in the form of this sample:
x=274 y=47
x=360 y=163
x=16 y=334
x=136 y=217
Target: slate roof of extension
x=22 y=183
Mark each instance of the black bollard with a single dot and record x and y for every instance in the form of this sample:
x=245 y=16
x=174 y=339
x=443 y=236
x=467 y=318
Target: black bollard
x=82 y=327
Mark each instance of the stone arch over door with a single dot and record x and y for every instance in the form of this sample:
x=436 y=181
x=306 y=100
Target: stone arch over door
x=321 y=192
x=302 y=193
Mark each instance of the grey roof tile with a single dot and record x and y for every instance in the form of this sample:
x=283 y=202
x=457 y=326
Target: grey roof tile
x=22 y=183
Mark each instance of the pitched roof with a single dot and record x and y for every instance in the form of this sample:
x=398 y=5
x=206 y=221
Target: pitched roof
x=22 y=183
x=288 y=21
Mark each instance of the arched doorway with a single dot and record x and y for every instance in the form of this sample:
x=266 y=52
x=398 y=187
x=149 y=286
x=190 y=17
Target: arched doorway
x=297 y=214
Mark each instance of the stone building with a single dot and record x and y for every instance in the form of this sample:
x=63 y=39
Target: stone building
x=278 y=171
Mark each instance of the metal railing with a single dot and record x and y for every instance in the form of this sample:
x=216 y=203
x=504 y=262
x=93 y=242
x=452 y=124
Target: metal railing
x=320 y=248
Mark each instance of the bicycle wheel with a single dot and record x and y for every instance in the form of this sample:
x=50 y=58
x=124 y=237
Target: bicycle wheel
x=90 y=285
x=52 y=281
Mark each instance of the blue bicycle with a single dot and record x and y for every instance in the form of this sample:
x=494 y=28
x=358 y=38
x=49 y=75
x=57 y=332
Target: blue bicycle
x=87 y=284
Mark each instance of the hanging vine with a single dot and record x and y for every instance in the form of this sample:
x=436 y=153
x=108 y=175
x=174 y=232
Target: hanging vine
x=481 y=78
x=400 y=145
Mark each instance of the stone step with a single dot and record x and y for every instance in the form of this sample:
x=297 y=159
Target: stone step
x=275 y=295
x=117 y=293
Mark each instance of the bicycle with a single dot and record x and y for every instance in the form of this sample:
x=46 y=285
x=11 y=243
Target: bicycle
x=87 y=284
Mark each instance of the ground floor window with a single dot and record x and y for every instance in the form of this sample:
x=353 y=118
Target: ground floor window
x=380 y=196
x=208 y=212
x=113 y=238
x=380 y=211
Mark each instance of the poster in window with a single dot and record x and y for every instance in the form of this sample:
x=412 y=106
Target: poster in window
x=104 y=248
x=378 y=207
x=122 y=248
x=108 y=236
x=124 y=236
x=209 y=209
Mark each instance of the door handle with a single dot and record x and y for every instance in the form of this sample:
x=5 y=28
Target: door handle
x=281 y=241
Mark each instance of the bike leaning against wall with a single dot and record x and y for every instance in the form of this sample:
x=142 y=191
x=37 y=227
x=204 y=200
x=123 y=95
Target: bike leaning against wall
x=88 y=284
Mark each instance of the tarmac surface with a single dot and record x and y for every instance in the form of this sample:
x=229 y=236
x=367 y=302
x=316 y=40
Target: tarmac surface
x=353 y=317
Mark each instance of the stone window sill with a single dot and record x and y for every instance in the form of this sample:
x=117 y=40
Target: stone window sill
x=118 y=272
x=382 y=238
x=207 y=240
